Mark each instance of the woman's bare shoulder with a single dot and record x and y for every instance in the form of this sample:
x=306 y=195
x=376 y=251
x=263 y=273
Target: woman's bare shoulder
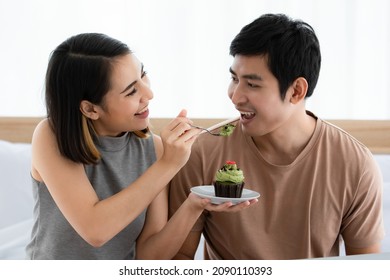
x=45 y=147
x=43 y=143
x=42 y=128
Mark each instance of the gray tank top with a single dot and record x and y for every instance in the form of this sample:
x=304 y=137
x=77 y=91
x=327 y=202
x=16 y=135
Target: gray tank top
x=123 y=160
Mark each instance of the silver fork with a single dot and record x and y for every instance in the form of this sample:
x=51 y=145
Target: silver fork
x=206 y=130
x=218 y=125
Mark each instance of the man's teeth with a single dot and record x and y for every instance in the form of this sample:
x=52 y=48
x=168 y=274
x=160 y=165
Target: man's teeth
x=247 y=114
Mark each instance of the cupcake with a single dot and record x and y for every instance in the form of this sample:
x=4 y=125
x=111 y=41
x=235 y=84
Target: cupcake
x=229 y=181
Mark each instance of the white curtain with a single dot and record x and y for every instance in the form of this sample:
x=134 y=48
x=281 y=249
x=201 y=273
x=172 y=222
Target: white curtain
x=184 y=45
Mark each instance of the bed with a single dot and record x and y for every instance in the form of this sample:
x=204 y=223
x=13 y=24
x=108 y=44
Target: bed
x=16 y=201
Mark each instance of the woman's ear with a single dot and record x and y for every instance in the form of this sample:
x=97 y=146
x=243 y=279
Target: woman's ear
x=299 y=90
x=89 y=110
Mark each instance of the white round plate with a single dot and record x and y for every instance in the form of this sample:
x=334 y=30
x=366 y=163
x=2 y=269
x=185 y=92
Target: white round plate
x=208 y=192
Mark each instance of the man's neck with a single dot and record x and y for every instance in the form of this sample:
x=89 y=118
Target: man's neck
x=283 y=146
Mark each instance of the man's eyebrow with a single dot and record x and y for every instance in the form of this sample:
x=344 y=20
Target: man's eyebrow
x=247 y=76
x=232 y=72
x=133 y=83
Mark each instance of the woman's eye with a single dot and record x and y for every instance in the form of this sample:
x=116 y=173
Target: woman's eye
x=132 y=92
x=143 y=74
x=234 y=79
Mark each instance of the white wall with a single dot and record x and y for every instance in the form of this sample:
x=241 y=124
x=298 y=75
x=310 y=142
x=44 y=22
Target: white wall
x=184 y=46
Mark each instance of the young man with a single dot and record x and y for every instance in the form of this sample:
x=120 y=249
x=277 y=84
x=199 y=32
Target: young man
x=318 y=184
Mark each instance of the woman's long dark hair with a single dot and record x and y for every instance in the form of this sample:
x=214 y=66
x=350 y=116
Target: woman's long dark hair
x=79 y=69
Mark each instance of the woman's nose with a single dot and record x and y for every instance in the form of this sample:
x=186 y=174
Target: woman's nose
x=147 y=92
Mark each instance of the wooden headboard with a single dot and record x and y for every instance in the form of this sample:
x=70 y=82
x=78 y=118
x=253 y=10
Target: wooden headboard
x=375 y=134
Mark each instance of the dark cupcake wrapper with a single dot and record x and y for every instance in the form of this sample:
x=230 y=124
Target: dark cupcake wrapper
x=228 y=190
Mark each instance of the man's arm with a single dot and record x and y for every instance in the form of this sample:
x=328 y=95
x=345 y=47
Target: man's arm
x=190 y=245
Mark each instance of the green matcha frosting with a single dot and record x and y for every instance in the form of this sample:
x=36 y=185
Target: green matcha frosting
x=230 y=173
x=227 y=129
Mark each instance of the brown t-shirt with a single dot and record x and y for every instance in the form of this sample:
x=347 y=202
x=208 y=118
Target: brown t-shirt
x=332 y=189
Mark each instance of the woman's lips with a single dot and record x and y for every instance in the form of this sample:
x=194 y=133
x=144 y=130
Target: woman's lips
x=143 y=114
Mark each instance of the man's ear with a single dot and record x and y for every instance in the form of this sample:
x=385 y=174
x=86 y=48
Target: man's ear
x=89 y=110
x=299 y=90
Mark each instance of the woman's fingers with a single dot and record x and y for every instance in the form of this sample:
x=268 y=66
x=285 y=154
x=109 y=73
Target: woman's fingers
x=179 y=129
x=181 y=118
x=230 y=207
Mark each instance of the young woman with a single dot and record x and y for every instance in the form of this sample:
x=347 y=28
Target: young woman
x=99 y=174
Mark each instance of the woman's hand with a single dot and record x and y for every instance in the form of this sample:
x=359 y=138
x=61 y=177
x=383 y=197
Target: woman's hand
x=204 y=203
x=230 y=207
x=177 y=138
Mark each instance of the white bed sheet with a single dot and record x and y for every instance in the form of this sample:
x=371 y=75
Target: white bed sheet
x=13 y=240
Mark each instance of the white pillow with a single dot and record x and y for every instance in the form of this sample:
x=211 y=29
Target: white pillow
x=384 y=164
x=16 y=200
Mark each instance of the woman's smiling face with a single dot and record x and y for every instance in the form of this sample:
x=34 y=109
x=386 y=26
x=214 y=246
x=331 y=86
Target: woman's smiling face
x=125 y=106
